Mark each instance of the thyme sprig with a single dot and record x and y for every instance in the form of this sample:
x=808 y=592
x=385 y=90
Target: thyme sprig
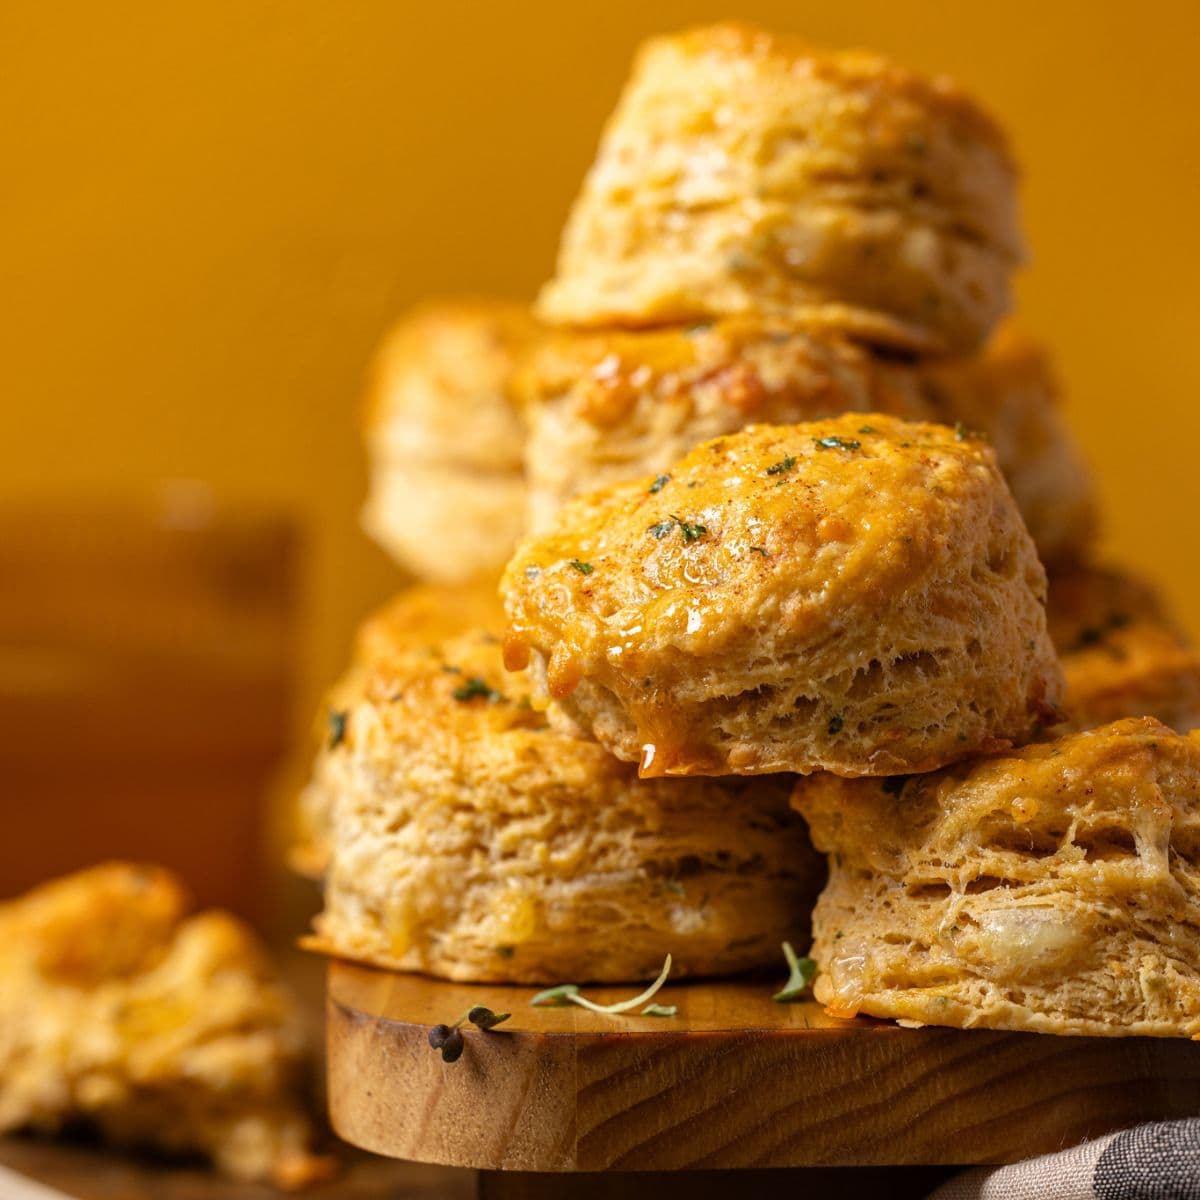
x=449 y=1039
x=568 y=993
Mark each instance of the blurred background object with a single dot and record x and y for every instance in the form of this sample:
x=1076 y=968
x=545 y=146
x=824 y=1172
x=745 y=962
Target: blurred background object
x=212 y=212
x=145 y=686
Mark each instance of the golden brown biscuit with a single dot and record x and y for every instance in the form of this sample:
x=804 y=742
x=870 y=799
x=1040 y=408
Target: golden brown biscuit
x=157 y=1029
x=471 y=841
x=855 y=595
x=444 y=443
x=420 y=617
x=748 y=173
x=1052 y=889
x=1121 y=654
x=606 y=407
x=1009 y=393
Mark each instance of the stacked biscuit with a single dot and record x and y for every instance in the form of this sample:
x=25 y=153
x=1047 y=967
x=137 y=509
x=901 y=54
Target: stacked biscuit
x=787 y=487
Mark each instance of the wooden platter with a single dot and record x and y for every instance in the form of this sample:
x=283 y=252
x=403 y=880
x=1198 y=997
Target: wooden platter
x=734 y=1081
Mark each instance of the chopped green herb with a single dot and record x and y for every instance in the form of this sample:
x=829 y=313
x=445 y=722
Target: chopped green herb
x=759 y=550
x=584 y=568
x=691 y=533
x=866 y=429
x=835 y=724
x=801 y=972
x=450 y=670
x=659 y=483
x=659 y=1010
x=532 y=572
x=476 y=689
x=786 y=463
x=505 y=951
x=839 y=935
x=337 y=728
x=837 y=443
x=568 y=993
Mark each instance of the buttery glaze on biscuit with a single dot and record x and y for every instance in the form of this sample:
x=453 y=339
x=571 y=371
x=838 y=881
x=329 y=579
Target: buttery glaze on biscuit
x=856 y=595
x=1054 y=889
x=473 y=842
x=444 y=442
x=1122 y=655
x=744 y=172
x=158 y=1029
x=606 y=407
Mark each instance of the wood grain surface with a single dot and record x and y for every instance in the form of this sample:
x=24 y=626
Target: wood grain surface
x=734 y=1081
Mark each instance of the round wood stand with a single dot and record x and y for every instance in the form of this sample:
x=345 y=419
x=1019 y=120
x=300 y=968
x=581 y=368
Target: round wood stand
x=735 y=1081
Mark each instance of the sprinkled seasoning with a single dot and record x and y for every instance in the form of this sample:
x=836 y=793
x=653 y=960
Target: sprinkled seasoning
x=584 y=568
x=659 y=483
x=837 y=443
x=337 y=728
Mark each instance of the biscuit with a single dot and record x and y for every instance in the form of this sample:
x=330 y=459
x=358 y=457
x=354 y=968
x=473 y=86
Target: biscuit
x=606 y=407
x=744 y=172
x=1052 y=889
x=1009 y=393
x=473 y=842
x=444 y=443
x=856 y=595
x=419 y=617
x=1121 y=654
x=157 y=1029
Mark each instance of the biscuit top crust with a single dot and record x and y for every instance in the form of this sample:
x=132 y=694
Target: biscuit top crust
x=879 y=81
x=423 y=615
x=776 y=531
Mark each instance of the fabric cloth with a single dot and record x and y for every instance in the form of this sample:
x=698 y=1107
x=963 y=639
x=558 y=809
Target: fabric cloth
x=1149 y=1162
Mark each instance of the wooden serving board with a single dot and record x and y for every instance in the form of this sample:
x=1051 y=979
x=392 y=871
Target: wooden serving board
x=734 y=1081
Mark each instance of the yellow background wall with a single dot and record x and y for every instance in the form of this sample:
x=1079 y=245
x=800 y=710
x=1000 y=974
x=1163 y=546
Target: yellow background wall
x=209 y=211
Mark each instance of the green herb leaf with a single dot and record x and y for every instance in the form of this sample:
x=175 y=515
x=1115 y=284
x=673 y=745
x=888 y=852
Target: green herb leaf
x=556 y=996
x=337 y=728
x=659 y=483
x=660 y=1010
x=835 y=724
x=484 y=1018
x=866 y=429
x=784 y=464
x=532 y=572
x=508 y=951
x=837 y=443
x=802 y=971
x=691 y=533
x=584 y=568
x=475 y=689
x=759 y=550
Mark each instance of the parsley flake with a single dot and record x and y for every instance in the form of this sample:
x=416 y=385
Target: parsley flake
x=837 y=443
x=476 y=689
x=835 y=724
x=584 y=568
x=337 y=728
x=759 y=550
x=659 y=483
x=691 y=533
x=786 y=463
